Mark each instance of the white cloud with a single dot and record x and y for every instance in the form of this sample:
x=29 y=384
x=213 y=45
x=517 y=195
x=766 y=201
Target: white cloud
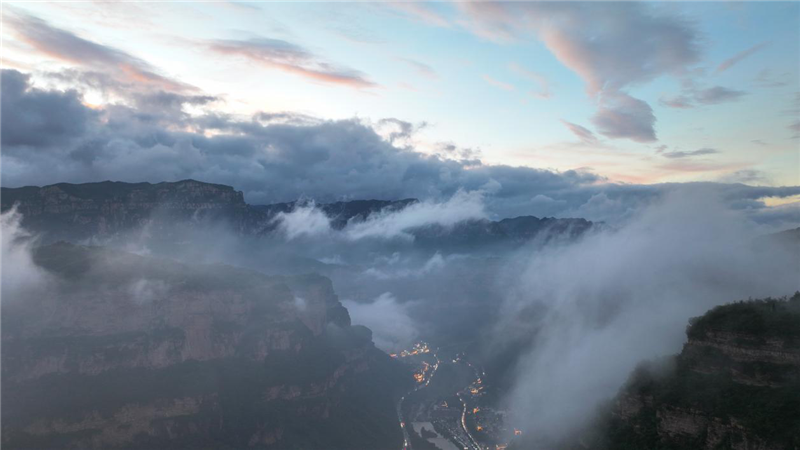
x=389 y=321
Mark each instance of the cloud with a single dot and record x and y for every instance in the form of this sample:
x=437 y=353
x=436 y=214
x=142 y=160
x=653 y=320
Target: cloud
x=767 y=79
x=434 y=264
x=698 y=152
x=68 y=47
x=398 y=131
x=595 y=309
x=611 y=47
x=422 y=11
x=280 y=157
x=291 y=58
x=678 y=101
x=708 y=96
x=584 y=134
x=497 y=83
x=34 y=117
x=20 y=274
x=745 y=176
x=795 y=128
x=460 y=207
x=717 y=94
x=389 y=320
x=622 y=116
x=146 y=291
x=544 y=84
x=421 y=68
x=735 y=59
x=303 y=221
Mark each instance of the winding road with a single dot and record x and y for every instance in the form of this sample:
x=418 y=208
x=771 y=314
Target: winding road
x=406 y=439
x=471 y=443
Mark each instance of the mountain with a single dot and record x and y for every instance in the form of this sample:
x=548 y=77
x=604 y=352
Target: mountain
x=734 y=386
x=81 y=212
x=116 y=350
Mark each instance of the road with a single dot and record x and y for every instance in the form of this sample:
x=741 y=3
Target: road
x=406 y=439
x=460 y=433
x=473 y=442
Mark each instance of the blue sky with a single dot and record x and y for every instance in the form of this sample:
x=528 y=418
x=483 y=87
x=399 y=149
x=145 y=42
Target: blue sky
x=509 y=84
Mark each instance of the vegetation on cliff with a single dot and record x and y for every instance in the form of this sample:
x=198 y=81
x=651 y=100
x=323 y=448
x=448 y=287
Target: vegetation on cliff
x=735 y=386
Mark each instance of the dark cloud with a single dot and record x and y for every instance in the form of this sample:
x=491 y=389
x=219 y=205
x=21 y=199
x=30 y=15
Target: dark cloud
x=467 y=155
x=282 y=156
x=36 y=118
x=66 y=46
x=698 y=152
x=397 y=131
x=285 y=117
x=291 y=58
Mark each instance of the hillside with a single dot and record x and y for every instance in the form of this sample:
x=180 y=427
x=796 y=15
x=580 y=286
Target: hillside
x=124 y=351
x=92 y=211
x=735 y=385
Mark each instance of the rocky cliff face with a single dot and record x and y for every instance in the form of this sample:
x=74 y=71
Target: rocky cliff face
x=735 y=385
x=116 y=350
x=99 y=211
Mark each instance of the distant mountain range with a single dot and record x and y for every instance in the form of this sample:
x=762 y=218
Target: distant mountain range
x=76 y=212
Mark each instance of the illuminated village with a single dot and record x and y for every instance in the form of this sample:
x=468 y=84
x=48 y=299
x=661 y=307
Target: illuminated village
x=451 y=407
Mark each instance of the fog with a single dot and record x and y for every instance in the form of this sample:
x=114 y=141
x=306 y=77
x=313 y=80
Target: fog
x=598 y=307
x=461 y=206
x=389 y=321
x=20 y=275
x=307 y=220
x=578 y=314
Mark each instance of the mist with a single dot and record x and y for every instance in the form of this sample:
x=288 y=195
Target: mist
x=20 y=274
x=598 y=307
x=392 y=327
x=460 y=207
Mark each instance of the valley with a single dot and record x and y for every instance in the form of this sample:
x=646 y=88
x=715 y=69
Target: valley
x=449 y=411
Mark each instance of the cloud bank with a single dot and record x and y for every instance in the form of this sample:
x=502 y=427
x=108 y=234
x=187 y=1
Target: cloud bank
x=389 y=321
x=612 y=47
x=597 y=308
x=282 y=157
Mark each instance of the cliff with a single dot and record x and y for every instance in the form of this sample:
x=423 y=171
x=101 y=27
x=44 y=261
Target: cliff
x=735 y=385
x=75 y=212
x=116 y=350
x=99 y=211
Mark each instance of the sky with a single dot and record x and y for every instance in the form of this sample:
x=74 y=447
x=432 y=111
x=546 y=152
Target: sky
x=623 y=93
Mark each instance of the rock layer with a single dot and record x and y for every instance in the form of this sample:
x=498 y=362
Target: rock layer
x=114 y=350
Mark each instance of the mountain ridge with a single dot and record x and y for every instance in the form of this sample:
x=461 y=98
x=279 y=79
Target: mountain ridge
x=66 y=211
x=734 y=386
